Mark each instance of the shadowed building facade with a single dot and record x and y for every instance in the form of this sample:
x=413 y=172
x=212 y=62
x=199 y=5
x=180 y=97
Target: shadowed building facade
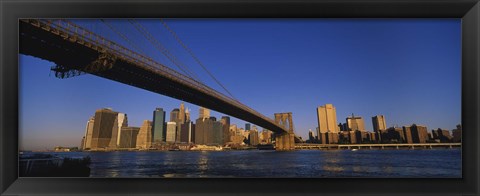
x=226 y=129
x=379 y=125
x=128 y=137
x=103 y=128
x=415 y=134
x=159 y=131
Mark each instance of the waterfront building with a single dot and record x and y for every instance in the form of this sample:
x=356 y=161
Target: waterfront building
x=226 y=129
x=204 y=130
x=379 y=123
x=327 y=122
x=247 y=126
x=103 y=127
x=159 y=131
x=145 y=135
x=88 y=133
x=187 y=129
x=415 y=134
x=204 y=113
x=253 y=137
x=128 y=137
x=171 y=132
x=393 y=135
x=122 y=121
x=442 y=135
x=216 y=133
x=457 y=134
x=355 y=123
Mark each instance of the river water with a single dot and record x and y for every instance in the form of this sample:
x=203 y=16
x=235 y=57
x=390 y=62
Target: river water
x=429 y=163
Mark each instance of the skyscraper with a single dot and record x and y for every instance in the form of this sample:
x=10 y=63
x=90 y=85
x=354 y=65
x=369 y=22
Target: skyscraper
x=355 y=123
x=253 y=137
x=204 y=113
x=88 y=133
x=327 y=118
x=247 y=126
x=327 y=123
x=174 y=115
x=415 y=133
x=128 y=137
x=226 y=128
x=159 y=131
x=181 y=113
x=104 y=125
x=187 y=115
x=171 y=131
x=379 y=123
x=122 y=121
x=187 y=129
x=145 y=135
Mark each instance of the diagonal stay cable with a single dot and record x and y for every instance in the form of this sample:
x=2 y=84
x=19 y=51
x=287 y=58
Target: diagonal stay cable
x=195 y=57
x=124 y=37
x=163 y=50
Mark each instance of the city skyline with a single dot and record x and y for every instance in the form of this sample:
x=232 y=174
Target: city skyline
x=440 y=86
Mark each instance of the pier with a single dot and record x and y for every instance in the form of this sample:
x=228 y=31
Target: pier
x=307 y=146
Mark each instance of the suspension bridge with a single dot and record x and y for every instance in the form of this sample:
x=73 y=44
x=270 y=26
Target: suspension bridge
x=76 y=50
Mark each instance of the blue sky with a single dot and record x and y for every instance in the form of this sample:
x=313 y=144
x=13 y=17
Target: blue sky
x=406 y=69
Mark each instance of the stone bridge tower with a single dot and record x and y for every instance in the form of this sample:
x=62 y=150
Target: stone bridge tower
x=285 y=141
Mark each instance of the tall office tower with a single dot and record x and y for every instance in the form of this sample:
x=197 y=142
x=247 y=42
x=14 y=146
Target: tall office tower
x=415 y=133
x=204 y=131
x=122 y=121
x=216 y=133
x=88 y=133
x=128 y=137
x=355 y=123
x=187 y=129
x=171 y=131
x=379 y=123
x=158 y=126
x=104 y=125
x=247 y=126
x=226 y=129
x=187 y=115
x=253 y=137
x=327 y=122
x=145 y=135
x=181 y=113
x=174 y=115
x=204 y=113
x=199 y=128
x=407 y=131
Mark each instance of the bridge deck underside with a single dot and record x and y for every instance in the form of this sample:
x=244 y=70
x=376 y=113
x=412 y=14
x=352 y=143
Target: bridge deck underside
x=43 y=44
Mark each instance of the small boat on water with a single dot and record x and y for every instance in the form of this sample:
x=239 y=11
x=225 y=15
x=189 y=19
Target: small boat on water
x=354 y=149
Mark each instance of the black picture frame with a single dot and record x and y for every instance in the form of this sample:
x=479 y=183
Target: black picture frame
x=11 y=11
